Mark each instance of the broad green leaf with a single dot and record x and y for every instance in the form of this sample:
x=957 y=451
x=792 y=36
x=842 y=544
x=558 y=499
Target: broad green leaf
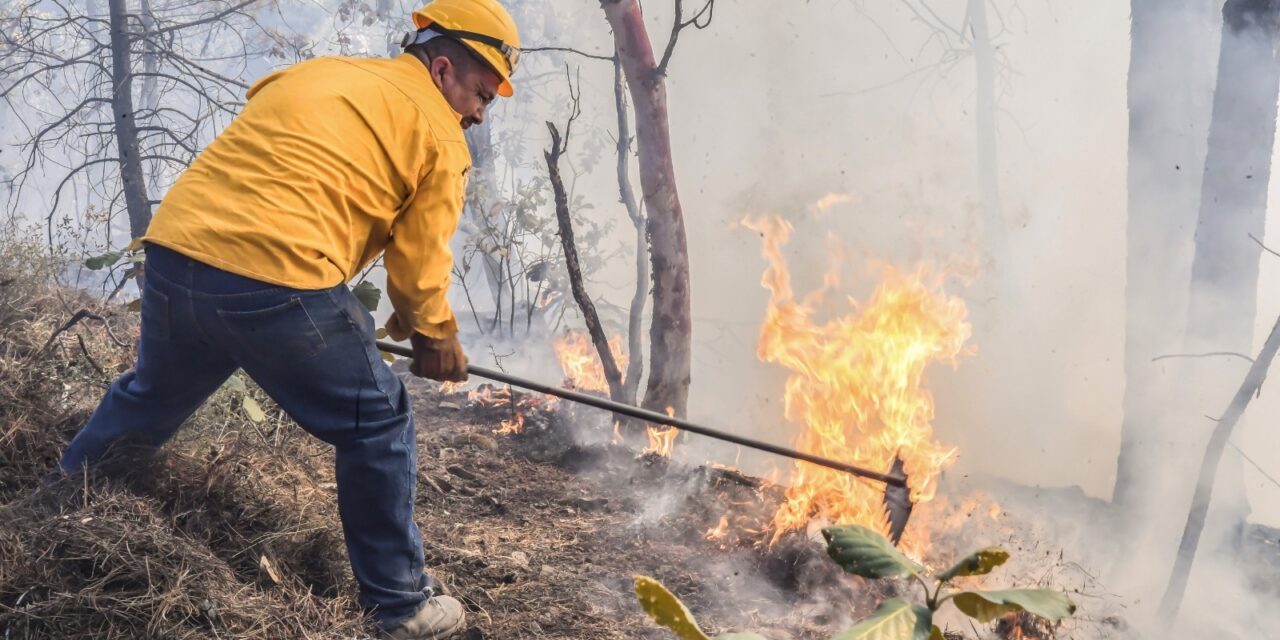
x=234 y=384
x=978 y=563
x=105 y=260
x=666 y=609
x=865 y=553
x=254 y=409
x=895 y=619
x=368 y=294
x=985 y=606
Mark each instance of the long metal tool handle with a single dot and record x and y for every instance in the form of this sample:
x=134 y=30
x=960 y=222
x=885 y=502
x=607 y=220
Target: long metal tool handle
x=660 y=418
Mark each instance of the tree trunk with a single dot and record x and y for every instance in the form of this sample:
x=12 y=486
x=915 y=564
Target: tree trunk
x=137 y=203
x=1168 y=93
x=1233 y=207
x=1233 y=198
x=483 y=188
x=670 y=332
x=997 y=234
x=635 y=315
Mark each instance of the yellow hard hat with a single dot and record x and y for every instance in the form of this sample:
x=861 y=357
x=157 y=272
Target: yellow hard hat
x=482 y=25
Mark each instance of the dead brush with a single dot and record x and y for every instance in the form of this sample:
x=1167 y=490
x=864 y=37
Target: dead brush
x=229 y=531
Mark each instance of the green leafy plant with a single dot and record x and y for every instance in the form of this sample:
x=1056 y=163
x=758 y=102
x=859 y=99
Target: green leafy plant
x=865 y=553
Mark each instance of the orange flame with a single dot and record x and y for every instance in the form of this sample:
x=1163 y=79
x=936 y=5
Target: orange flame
x=512 y=425
x=856 y=385
x=718 y=532
x=578 y=359
x=662 y=440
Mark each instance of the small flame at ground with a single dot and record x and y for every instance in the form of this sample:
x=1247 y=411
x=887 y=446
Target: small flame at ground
x=581 y=364
x=718 y=532
x=662 y=440
x=856 y=384
x=511 y=425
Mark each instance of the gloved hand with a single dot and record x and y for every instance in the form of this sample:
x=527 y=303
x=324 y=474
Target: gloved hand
x=441 y=360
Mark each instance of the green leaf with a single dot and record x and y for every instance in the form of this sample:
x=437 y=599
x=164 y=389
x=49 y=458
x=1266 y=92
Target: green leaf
x=254 y=409
x=895 y=619
x=368 y=294
x=105 y=260
x=666 y=609
x=985 y=606
x=865 y=553
x=978 y=563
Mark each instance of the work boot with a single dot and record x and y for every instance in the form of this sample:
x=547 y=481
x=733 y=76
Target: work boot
x=441 y=617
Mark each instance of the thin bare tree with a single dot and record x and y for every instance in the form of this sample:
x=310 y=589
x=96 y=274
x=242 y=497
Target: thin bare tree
x=670 y=330
x=103 y=97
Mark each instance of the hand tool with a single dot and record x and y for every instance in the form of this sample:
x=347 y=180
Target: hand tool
x=897 y=497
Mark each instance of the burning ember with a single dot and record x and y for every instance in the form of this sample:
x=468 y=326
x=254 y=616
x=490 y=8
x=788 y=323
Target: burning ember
x=512 y=425
x=718 y=532
x=857 y=386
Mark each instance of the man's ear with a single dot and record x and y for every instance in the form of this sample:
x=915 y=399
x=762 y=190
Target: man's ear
x=440 y=68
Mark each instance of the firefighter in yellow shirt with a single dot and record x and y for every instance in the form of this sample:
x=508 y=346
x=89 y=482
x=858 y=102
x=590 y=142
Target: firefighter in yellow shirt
x=332 y=163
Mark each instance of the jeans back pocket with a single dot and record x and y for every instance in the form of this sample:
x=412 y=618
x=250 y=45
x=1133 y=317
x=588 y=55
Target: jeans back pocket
x=284 y=331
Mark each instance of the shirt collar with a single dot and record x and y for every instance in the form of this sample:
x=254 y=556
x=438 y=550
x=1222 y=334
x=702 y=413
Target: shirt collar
x=427 y=88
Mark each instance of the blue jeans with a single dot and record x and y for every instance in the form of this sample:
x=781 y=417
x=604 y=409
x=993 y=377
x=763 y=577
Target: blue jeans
x=313 y=352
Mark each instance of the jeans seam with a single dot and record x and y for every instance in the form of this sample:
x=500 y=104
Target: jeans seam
x=355 y=327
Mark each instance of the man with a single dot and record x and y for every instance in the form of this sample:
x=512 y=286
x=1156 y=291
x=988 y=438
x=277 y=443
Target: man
x=332 y=163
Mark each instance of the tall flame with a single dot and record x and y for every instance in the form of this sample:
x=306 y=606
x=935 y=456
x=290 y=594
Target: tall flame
x=856 y=385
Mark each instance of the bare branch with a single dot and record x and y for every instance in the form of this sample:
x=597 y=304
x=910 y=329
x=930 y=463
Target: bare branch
x=700 y=20
x=1212 y=354
x=1264 y=247
x=593 y=56
x=206 y=20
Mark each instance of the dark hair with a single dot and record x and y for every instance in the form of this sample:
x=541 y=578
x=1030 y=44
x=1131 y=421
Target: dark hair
x=462 y=57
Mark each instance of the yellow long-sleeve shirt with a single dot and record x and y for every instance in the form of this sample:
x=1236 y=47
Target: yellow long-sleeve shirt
x=332 y=162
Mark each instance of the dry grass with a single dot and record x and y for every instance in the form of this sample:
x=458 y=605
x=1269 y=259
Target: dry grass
x=175 y=545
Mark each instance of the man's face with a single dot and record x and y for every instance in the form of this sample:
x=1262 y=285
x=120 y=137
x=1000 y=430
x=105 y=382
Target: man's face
x=468 y=90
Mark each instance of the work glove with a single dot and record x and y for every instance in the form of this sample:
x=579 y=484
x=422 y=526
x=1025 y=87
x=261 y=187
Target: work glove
x=439 y=359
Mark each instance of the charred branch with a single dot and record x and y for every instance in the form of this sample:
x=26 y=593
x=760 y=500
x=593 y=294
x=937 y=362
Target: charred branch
x=594 y=327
